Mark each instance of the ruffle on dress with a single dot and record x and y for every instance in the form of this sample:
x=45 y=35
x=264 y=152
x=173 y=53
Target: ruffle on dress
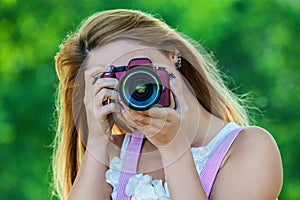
x=142 y=187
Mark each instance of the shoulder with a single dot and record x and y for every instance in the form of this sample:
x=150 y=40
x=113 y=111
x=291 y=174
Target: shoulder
x=256 y=145
x=253 y=167
x=255 y=138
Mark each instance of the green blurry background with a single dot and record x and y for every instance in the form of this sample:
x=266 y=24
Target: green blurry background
x=256 y=43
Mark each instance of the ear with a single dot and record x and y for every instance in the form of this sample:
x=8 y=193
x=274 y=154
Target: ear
x=175 y=58
x=174 y=55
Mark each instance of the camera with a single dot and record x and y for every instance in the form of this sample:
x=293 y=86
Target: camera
x=142 y=84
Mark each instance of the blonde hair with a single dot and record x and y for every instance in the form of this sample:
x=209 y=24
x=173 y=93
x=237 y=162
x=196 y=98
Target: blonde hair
x=199 y=70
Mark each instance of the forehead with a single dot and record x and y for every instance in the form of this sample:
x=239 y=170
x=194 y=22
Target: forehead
x=119 y=53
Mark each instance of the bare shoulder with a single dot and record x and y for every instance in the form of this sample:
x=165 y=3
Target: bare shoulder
x=255 y=139
x=259 y=145
x=253 y=169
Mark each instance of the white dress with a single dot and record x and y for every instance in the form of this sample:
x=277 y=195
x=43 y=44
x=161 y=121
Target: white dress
x=142 y=187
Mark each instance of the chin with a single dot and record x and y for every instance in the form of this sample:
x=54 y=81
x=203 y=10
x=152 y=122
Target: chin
x=121 y=127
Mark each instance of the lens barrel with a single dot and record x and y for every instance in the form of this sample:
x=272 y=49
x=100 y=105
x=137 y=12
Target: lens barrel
x=140 y=88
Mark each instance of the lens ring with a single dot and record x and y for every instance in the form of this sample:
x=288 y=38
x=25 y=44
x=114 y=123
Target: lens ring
x=140 y=76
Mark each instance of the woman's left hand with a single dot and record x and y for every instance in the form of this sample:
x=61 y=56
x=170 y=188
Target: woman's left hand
x=167 y=128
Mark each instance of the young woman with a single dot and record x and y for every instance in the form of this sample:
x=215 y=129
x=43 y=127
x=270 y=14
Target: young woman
x=190 y=139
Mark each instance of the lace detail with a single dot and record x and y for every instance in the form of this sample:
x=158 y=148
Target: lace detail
x=142 y=187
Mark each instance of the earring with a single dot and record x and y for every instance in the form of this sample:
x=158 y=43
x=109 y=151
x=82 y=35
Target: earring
x=178 y=63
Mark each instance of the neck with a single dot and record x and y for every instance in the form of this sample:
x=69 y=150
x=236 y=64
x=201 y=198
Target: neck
x=208 y=127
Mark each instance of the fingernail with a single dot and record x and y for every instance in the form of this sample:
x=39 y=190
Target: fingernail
x=120 y=100
x=172 y=76
x=109 y=68
x=122 y=109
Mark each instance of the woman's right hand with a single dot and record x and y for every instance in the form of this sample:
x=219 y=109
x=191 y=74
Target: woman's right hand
x=99 y=120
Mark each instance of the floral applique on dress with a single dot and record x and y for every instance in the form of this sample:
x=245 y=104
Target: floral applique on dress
x=142 y=187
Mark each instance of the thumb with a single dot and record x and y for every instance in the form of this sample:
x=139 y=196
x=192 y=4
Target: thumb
x=176 y=89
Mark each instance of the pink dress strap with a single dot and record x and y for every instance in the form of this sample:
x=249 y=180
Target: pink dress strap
x=129 y=164
x=210 y=170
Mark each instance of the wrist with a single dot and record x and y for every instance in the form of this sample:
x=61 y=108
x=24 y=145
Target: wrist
x=174 y=150
x=98 y=149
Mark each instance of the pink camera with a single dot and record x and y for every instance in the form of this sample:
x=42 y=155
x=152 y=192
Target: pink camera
x=142 y=85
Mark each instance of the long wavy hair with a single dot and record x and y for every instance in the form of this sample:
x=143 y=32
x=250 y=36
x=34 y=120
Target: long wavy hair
x=199 y=70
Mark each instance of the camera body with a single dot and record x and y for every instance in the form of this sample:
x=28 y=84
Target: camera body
x=142 y=85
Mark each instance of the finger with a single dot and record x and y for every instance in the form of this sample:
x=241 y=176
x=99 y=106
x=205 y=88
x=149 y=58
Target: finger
x=158 y=124
x=102 y=112
x=144 y=123
x=127 y=117
x=105 y=83
x=89 y=80
x=139 y=119
x=148 y=130
x=91 y=73
x=104 y=117
x=105 y=94
x=134 y=116
x=155 y=127
x=159 y=112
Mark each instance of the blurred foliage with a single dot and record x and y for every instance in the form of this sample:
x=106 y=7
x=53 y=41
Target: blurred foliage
x=256 y=43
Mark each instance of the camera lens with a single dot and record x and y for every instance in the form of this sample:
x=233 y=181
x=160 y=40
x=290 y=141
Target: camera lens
x=140 y=88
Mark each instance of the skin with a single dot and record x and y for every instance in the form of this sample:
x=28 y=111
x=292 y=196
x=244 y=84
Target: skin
x=251 y=170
